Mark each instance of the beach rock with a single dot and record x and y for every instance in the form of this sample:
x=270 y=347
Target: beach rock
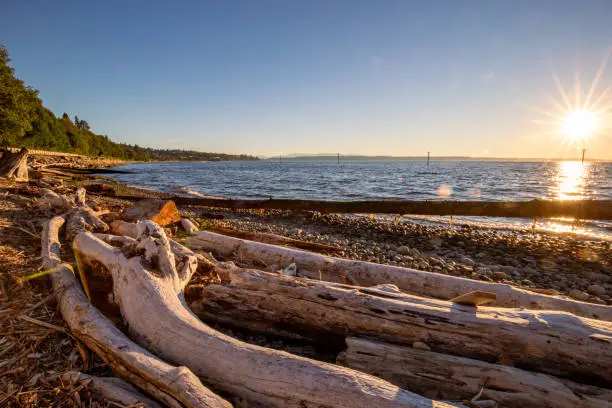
x=415 y=253
x=596 y=290
x=160 y=211
x=578 y=294
x=507 y=268
x=467 y=261
x=499 y=275
x=403 y=250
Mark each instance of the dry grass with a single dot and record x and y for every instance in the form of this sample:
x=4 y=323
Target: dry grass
x=35 y=344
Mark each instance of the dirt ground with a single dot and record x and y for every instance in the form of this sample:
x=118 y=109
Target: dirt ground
x=35 y=345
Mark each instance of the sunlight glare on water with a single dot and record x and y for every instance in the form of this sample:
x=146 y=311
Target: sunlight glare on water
x=571 y=180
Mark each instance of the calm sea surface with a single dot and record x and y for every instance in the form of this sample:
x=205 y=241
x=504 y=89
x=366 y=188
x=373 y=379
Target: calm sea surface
x=387 y=180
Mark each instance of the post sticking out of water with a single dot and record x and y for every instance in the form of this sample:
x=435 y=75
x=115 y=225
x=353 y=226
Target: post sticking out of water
x=428 y=158
x=338 y=158
x=583 y=150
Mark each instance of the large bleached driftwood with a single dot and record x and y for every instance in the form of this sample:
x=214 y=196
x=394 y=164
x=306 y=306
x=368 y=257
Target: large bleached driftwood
x=148 y=284
x=549 y=341
x=174 y=386
x=449 y=377
x=369 y=274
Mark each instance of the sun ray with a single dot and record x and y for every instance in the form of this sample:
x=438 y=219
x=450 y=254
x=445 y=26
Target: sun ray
x=601 y=96
x=577 y=90
x=561 y=90
x=600 y=71
x=545 y=112
x=603 y=110
x=555 y=103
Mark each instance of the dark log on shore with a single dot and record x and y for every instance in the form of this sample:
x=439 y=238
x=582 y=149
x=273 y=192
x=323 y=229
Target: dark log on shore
x=580 y=209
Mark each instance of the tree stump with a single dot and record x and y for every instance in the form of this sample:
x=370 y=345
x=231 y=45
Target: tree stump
x=14 y=165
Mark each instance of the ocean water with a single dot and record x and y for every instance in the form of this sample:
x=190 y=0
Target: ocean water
x=392 y=180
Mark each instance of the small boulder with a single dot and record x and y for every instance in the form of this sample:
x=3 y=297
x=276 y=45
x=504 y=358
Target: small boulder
x=578 y=294
x=467 y=261
x=499 y=275
x=596 y=290
x=403 y=250
x=161 y=212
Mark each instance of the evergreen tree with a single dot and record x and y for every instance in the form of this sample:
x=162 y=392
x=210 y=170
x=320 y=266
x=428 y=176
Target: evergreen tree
x=18 y=103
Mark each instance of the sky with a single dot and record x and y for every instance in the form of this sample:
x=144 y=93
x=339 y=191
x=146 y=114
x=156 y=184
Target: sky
x=456 y=77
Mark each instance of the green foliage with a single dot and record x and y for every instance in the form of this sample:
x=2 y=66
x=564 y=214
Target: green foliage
x=18 y=103
x=25 y=122
x=190 y=155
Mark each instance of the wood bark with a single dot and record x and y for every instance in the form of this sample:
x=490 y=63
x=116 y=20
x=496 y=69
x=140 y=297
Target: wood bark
x=369 y=274
x=109 y=388
x=163 y=212
x=189 y=226
x=14 y=165
x=175 y=386
x=275 y=239
x=549 y=341
x=149 y=281
x=580 y=209
x=449 y=377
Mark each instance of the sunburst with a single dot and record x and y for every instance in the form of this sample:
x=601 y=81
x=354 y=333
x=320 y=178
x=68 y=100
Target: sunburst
x=573 y=119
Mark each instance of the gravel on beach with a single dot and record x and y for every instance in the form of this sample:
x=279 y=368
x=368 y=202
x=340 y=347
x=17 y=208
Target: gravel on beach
x=564 y=263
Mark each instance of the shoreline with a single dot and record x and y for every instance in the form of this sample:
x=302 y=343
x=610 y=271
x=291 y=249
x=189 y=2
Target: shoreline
x=538 y=261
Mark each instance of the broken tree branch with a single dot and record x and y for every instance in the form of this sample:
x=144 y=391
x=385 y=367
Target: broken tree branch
x=174 y=386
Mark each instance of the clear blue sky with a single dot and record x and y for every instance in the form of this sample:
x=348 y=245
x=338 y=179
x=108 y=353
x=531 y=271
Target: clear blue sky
x=267 y=77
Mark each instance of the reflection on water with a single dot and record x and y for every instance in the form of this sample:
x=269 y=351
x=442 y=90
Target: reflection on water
x=571 y=180
x=488 y=181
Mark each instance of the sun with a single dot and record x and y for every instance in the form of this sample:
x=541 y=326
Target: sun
x=579 y=124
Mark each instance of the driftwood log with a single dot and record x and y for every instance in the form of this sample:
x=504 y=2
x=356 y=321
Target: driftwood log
x=173 y=385
x=189 y=226
x=361 y=273
x=548 y=341
x=444 y=376
x=275 y=239
x=14 y=165
x=580 y=209
x=110 y=388
x=148 y=280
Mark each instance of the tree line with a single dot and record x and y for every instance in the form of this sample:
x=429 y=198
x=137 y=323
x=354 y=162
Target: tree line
x=25 y=122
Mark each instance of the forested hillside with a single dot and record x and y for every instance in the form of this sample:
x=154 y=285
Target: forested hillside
x=25 y=122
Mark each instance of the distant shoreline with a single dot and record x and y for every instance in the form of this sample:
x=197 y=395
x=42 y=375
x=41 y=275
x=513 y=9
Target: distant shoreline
x=357 y=158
